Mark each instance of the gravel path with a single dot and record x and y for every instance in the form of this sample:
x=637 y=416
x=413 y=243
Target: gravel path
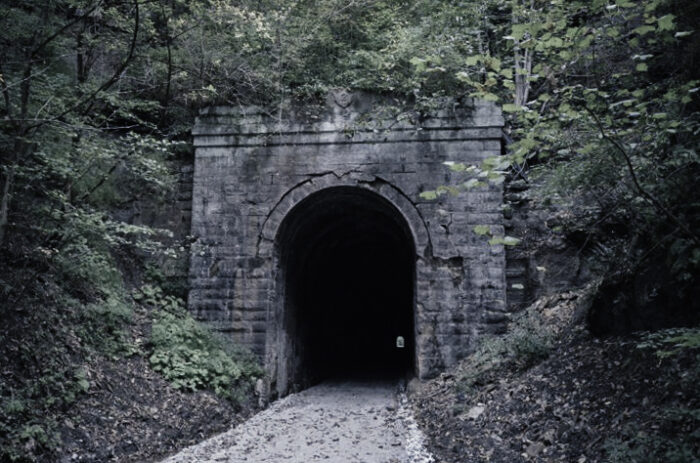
x=341 y=422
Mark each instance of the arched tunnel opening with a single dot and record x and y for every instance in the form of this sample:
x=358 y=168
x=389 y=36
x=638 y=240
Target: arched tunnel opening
x=347 y=270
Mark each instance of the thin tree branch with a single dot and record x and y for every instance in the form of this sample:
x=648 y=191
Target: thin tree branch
x=5 y=201
x=102 y=180
x=112 y=80
x=643 y=192
x=61 y=30
x=5 y=93
x=169 y=78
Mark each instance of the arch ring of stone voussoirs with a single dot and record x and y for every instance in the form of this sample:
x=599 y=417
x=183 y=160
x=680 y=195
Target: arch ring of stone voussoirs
x=384 y=189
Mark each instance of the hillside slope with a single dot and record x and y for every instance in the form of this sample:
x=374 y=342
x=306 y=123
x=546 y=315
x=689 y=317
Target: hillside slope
x=567 y=396
x=82 y=396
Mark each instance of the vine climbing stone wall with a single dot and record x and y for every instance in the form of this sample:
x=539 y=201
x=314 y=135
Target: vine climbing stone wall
x=253 y=168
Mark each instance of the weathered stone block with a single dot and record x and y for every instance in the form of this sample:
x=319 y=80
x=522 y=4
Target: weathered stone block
x=253 y=173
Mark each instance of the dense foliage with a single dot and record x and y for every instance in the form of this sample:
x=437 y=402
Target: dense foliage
x=602 y=99
x=192 y=357
x=98 y=97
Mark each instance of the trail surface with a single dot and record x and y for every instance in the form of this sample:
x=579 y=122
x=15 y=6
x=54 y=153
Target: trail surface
x=340 y=422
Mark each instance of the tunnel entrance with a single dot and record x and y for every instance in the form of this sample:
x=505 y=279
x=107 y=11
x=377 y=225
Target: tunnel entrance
x=346 y=282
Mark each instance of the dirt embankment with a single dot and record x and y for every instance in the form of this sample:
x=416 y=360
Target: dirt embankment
x=133 y=415
x=130 y=413
x=584 y=400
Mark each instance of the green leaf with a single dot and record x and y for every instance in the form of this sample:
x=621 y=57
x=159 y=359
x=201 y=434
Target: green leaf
x=419 y=63
x=473 y=60
x=504 y=240
x=642 y=67
x=651 y=6
x=666 y=22
x=482 y=230
x=518 y=31
x=457 y=167
x=643 y=30
x=429 y=195
x=613 y=32
x=494 y=63
x=463 y=77
x=83 y=385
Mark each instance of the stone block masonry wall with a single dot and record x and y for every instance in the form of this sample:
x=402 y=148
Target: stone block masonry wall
x=251 y=170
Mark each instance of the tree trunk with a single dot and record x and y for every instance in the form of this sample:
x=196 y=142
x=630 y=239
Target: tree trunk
x=523 y=63
x=523 y=69
x=5 y=201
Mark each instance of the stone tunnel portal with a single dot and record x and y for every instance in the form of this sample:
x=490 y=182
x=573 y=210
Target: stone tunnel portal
x=346 y=285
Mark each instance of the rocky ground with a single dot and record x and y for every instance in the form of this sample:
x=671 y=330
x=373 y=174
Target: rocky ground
x=590 y=400
x=337 y=422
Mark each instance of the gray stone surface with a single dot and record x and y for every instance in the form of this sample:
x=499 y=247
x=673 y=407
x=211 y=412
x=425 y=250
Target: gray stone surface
x=546 y=261
x=342 y=422
x=252 y=170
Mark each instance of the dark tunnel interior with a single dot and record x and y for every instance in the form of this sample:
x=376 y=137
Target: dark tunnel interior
x=347 y=261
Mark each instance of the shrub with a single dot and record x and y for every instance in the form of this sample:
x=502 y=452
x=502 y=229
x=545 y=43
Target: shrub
x=672 y=341
x=103 y=326
x=527 y=342
x=191 y=357
x=676 y=441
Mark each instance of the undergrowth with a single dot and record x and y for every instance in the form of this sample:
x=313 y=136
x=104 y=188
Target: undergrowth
x=47 y=348
x=676 y=440
x=673 y=341
x=58 y=319
x=527 y=342
x=190 y=356
x=676 y=436
x=65 y=320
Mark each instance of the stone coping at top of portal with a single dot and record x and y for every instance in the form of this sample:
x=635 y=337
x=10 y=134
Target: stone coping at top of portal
x=355 y=113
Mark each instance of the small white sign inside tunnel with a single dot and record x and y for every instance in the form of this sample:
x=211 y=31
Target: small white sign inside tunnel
x=399 y=342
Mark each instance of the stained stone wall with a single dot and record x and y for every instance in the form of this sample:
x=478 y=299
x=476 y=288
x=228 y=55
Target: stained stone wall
x=252 y=169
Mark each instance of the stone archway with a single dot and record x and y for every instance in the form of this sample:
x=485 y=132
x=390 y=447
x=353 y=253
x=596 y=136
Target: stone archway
x=253 y=172
x=345 y=291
